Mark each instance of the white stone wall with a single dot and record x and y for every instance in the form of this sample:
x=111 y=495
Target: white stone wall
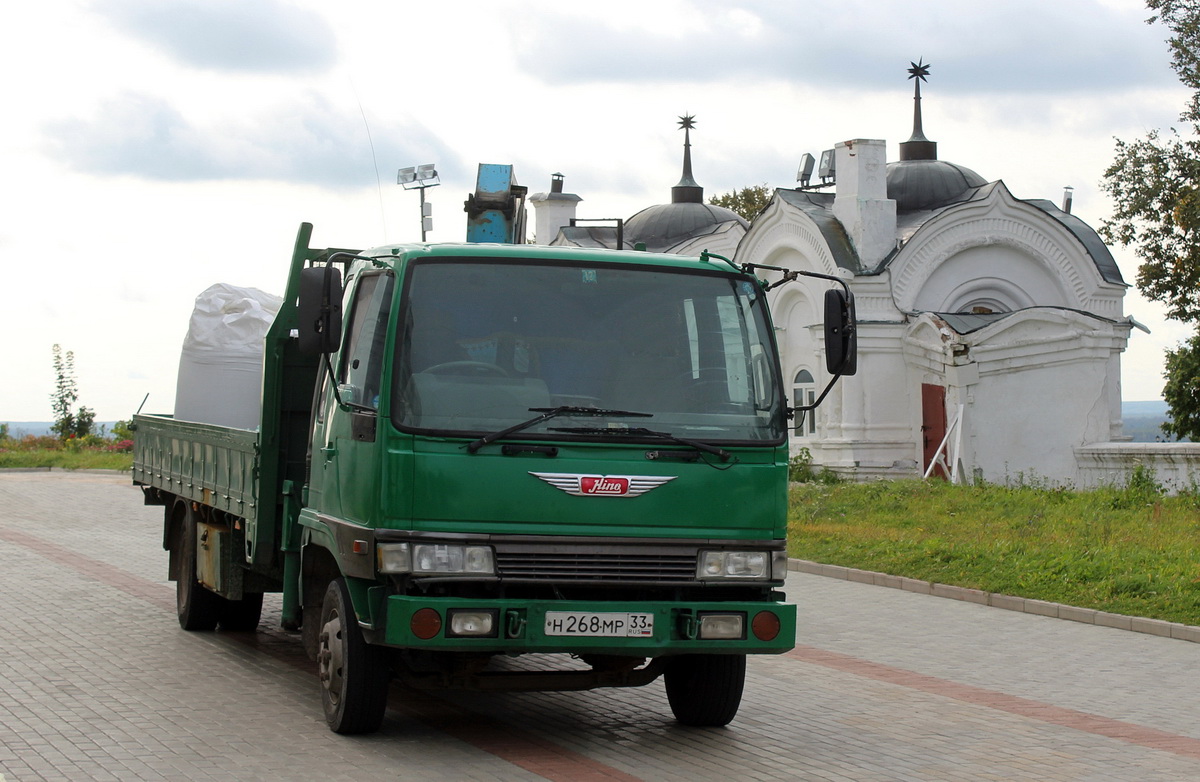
x=861 y=204
x=551 y=213
x=1175 y=466
x=1032 y=388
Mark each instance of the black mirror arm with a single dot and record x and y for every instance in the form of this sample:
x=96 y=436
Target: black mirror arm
x=337 y=397
x=343 y=405
x=791 y=275
x=791 y=411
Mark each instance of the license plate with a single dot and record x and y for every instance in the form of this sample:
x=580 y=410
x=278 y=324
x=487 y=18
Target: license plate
x=607 y=624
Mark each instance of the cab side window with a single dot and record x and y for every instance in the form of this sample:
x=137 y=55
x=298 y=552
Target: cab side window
x=362 y=356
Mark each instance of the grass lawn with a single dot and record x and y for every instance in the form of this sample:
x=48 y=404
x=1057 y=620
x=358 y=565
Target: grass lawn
x=87 y=453
x=1126 y=550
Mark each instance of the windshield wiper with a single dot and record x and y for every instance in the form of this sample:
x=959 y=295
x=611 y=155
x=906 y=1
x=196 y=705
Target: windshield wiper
x=546 y=414
x=638 y=431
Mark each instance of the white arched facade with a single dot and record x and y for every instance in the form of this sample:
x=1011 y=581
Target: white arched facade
x=1025 y=285
x=999 y=249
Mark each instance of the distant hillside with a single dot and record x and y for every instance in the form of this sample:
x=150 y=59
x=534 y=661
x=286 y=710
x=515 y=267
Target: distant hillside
x=42 y=428
x=1156 y=407
x=1144 y=420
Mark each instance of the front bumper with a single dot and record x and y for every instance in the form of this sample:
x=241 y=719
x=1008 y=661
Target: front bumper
x=521 y=627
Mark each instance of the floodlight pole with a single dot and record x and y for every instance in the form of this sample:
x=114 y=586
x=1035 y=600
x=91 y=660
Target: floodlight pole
x=422 y=191
x=418 y=178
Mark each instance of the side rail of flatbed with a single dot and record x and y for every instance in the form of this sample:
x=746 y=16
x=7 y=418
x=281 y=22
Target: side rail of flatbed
x=210 y=464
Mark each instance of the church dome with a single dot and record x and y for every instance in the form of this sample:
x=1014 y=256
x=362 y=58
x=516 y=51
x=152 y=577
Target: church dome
x=662 y=227
x=919 y=180
x=666 y=225
x=925 y=184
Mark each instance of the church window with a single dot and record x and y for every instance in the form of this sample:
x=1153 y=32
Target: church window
x=804 y=392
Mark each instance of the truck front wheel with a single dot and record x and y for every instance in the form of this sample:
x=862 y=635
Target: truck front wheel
x=705 y=690
x=354 y=675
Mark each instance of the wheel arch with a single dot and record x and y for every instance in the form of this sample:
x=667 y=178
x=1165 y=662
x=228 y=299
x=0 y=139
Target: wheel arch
x=318 y=569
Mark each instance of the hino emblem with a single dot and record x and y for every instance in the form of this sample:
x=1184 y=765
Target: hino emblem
x=603 y=485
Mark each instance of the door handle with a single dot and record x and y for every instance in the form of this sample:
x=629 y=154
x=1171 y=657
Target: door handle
x=329 y=450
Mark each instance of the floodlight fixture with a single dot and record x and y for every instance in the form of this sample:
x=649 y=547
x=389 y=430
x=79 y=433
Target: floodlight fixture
x=827 y=169
x=418 y=178
x=804 y=173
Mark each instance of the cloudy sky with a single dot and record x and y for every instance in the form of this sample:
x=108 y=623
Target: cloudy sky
x=152 y=148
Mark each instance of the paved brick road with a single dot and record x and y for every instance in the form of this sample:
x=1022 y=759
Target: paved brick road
x=97 y=681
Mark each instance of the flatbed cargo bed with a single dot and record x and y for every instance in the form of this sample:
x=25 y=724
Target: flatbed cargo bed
x=213 y=465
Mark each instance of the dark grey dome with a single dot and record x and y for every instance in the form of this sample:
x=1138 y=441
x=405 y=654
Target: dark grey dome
x=666 y=225
x=925 y=184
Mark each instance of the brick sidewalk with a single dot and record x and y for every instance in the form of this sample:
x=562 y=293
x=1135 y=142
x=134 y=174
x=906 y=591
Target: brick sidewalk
x=100 y=683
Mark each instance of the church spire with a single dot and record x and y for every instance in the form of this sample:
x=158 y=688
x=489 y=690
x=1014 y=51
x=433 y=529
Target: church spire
x=687 y=191
x=918 y=147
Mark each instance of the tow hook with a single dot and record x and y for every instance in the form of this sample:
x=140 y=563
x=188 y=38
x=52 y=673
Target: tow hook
x=689 y=628
x=515 y=624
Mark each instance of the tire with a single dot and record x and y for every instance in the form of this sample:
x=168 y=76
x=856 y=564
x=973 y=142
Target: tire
x=354 y=675
x=241 y=616
x=705 y=690
x=198 y=608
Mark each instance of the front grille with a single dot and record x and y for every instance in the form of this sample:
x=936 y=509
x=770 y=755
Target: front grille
x=588 y=566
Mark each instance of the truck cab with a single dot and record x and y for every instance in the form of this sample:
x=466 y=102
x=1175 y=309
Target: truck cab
x=539 y=450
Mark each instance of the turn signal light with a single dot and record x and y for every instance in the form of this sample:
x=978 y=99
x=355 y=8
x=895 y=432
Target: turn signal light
x=425 y=623
x=765 y=626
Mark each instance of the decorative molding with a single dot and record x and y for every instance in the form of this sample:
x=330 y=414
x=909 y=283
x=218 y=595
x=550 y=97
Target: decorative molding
x=997 y=220
x=785 y=228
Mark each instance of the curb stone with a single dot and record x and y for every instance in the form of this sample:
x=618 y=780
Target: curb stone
x=1090 y=616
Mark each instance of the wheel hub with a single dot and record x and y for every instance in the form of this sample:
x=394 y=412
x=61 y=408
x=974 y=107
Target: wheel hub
x=330 y=657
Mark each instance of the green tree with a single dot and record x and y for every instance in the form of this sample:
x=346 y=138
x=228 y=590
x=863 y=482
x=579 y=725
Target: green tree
x=1182 y=391
x=1155 y=184
x=66 y=394
x=747 y=202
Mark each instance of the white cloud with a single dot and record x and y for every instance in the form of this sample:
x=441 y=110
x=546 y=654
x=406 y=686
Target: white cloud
x=307 y=142
x=152 y=148
x=258 y=36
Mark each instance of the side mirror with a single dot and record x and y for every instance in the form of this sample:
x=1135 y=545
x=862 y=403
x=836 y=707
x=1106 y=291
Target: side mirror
x=841 y=335
x=319 y=310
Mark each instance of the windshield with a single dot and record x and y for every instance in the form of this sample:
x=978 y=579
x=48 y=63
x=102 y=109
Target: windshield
x=484 y=342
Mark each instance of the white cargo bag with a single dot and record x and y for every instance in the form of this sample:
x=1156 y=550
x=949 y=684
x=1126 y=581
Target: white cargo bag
x=220 y=368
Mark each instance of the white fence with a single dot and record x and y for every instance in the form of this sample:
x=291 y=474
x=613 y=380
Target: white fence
x=1176 y=466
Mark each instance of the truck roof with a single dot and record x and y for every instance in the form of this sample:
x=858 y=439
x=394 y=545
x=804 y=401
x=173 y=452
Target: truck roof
x=580 y=254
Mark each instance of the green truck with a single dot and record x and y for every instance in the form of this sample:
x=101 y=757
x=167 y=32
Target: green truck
x=507 y=467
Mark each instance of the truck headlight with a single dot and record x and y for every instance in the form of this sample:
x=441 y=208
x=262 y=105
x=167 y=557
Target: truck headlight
x=739 y=565
x=440 y=558
x=435 y=559
x=393 y=558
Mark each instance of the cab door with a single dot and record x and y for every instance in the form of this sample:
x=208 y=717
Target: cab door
x=351 y=454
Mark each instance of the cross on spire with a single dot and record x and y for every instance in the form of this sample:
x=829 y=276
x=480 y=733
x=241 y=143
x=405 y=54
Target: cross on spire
x=919 y=72
x=687 y=190
x=918 y=147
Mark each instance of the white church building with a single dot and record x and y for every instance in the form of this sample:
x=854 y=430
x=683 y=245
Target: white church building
x=990 y=327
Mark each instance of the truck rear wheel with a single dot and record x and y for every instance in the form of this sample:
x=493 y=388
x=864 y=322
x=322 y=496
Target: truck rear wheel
x=705 y=690
x=197 y=607
x=354 y=675
x=241 y=616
